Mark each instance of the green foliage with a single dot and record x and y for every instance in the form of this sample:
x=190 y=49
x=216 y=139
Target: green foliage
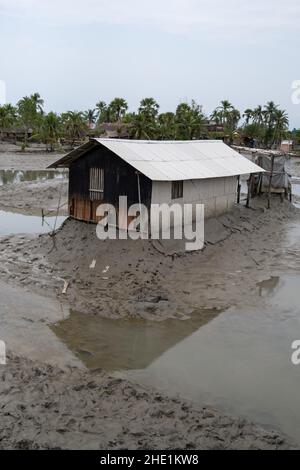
x=227 y=115
x=74 y=126
x=267 y=125
x=50 y=130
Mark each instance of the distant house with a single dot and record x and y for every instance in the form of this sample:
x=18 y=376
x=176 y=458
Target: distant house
x=153 y=172
x=286 y=146
x=115 y=130
x=276 y=177
x=15 y=134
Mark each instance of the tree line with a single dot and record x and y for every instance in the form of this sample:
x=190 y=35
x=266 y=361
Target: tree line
x=265 y=125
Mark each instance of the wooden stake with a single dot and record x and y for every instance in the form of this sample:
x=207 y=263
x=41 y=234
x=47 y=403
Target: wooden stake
x=270 y=182
x=239 y=190
x=249 y=191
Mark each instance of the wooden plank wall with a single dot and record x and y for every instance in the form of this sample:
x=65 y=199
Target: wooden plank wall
x=120 y=179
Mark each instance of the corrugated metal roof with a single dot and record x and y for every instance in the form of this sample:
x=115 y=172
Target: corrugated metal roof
x=174 y=160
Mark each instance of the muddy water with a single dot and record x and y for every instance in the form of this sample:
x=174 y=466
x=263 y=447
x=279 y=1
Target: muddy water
x=238 y=360
x=24 y=319
x=296 y=188
x=124 y=344
x=15 y=223
x=241 y=360
x=17 y=176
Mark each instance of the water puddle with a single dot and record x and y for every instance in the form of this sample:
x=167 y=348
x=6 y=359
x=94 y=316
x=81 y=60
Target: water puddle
x=124 y=344
x=24 y=319
x=238 y=360
x=296 y=189
x=268 y=286
x=17 y=176
x=15 y=223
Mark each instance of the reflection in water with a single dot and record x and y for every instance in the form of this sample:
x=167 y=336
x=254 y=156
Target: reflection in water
x=125 y=344
x=268 y=286
x=296 y=189
x=17 y=176
x=14 y=223
x=238 y=360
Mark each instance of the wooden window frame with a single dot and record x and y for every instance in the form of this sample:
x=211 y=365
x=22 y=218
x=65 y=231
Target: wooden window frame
x=177 y=189
x=96 y=184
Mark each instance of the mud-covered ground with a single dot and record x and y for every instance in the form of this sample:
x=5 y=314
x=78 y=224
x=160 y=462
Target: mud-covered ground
x=136 y=278
x=42 y=406
x=33 y=158
x=31 y=197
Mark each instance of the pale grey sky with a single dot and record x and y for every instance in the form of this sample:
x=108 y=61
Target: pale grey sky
x=77 y=52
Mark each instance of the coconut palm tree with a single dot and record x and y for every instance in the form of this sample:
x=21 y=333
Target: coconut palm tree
x=27 y=113
x=258 y=116
x=227 y=115
x=7 y=117
x=101 y=111
x=189 y=121
x=166 y=126
x=248 y=114
x=50 y=130
x=90 y=117
x=74 y=125
x=38 y=102
x=281 y=126
x=141 y=128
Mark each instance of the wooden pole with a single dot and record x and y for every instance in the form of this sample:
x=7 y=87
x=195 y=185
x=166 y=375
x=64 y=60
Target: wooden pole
x=270 y=182
x=239 y=190
x=249 y=191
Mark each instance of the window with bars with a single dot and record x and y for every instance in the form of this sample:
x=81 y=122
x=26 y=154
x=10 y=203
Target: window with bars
x=177 y=189
x=96 y=184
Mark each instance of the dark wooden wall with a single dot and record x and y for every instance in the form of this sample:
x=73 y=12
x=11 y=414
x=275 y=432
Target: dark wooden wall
x=120 y=179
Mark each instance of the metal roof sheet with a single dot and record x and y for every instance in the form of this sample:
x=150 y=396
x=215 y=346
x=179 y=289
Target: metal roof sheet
x=173 y=160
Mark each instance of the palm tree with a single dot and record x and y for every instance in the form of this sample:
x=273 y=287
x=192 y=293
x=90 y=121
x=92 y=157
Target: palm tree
x=74 y=125
x=50 y=130
x=258 y=115
x=149 y=108
x=7 y=117
x=90 y=117
x=227 y=115
x=27 y=115
x=101 y=110
x=38 y=102
x=166 y=126
x=269 y=114
x=248 y=114
x=117 y=109
x=233 y=119
x=281 y=125
x=189 y=121
x=141 y=128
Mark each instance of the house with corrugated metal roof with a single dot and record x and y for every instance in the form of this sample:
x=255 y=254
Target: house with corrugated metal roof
x=153 y=172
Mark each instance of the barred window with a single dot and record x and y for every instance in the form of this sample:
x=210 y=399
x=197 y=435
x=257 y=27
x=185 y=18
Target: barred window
x=177 y=189
x=96 y=184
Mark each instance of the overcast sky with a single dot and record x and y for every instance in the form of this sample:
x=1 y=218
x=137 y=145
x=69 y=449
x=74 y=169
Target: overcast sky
x=76 y=52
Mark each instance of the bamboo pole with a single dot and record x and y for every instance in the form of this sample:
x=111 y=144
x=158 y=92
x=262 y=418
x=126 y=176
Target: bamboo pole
x=249 y=192
x=270 y=182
